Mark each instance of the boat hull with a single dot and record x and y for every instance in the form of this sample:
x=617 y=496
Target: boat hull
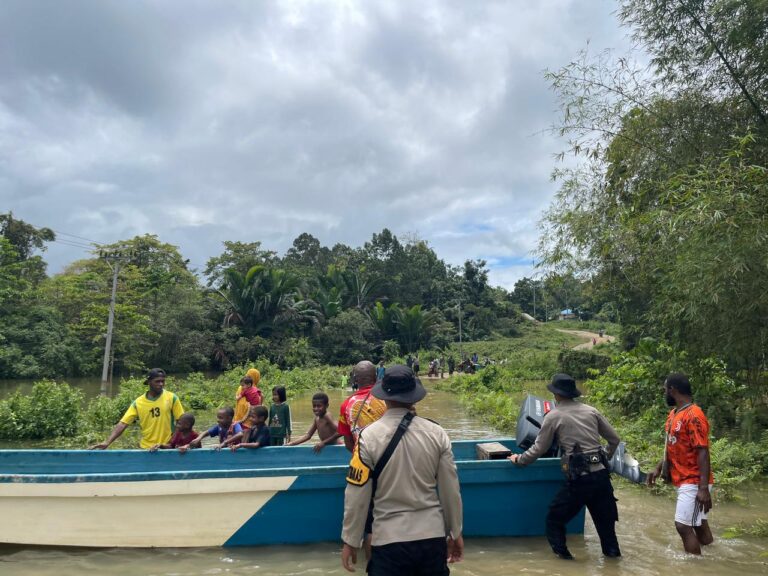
x=280 y=495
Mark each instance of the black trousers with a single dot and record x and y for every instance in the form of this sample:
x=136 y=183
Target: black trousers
x=418 y=558
x=596 y=493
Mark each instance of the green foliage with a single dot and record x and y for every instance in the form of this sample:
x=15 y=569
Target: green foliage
x=256 y=305
x=582 y=363
x=390 y=350
x=629 y=393
x=22 y=241
x=300 y=354
x=415 y=326
x=347 y=338
x=49 y=411
x=757 y=530
x=103 y=412
x=715 y=46
x=239 y=256
x=667 y=210
x=633 y=383
x=532 y=354
x=738 y=462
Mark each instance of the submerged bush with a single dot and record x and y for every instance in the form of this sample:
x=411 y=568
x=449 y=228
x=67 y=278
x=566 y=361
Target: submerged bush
x=51 y=410
x=581 y=363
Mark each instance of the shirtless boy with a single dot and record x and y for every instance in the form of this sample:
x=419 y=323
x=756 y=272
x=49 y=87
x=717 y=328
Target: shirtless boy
x=323 y=423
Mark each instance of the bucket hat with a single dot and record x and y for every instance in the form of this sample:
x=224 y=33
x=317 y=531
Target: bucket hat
x=564 y=385
x=399 y=384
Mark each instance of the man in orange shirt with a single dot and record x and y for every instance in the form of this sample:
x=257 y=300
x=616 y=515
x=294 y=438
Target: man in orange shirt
x=686 y=463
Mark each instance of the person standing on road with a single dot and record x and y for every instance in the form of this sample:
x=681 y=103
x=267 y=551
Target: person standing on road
x=687 y=464
x=157 y=411
x=413 y=493
x=577 y=429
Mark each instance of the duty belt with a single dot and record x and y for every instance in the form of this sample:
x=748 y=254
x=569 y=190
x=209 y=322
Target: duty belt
x=579 y=464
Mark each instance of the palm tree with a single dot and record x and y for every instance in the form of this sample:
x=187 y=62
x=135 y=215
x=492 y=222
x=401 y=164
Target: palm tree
x=360 y=290
x=414 y=326
x=263 y=299
x=383 y=318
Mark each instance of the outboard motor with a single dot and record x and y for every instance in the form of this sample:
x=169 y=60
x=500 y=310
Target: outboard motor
x=624 y=465
x=529 y=421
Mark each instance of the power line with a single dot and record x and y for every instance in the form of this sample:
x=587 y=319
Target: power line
x=74 y=236
x=75 y=244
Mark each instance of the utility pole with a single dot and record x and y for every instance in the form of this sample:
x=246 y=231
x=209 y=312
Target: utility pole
x=533 y=283
x=105 y=371
x=111 y=258
x=461 y=355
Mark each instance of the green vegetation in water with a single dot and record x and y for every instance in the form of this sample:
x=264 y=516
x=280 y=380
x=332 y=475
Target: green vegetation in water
x=758 y=529
x=629 y=392
x=56 y=414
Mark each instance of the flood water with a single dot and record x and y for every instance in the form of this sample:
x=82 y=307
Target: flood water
x=646 y=533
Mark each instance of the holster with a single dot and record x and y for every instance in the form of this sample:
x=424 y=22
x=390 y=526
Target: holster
x=579 y=463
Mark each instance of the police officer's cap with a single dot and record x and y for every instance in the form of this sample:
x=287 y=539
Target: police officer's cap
x=564 y=385
x=399 y=384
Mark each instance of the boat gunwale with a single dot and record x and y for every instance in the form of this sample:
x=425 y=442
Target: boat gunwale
x=250 y=470
x=297 y=471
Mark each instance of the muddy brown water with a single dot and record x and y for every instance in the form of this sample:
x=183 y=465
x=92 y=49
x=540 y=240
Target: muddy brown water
x=646 y=533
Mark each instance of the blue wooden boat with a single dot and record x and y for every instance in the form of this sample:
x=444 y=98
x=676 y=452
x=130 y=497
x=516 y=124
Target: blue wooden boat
x=274 y=495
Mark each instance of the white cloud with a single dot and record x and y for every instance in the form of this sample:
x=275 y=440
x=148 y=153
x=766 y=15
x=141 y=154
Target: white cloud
x=202 y=122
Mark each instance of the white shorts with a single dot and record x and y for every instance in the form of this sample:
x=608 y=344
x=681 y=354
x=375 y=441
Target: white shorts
x=687 y=512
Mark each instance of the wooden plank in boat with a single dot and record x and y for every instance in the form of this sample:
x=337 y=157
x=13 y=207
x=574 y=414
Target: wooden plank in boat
x=492 y=451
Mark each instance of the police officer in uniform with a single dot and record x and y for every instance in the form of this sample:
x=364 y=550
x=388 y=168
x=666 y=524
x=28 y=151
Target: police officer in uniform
x=415 y=530
x=577 y=428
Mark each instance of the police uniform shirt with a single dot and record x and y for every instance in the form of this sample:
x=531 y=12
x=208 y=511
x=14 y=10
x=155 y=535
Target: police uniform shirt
x=407 y=506
x=573 y=423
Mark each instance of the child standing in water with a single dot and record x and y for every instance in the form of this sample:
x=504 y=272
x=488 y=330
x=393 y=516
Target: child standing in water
x=323 y=423
x=279 y=417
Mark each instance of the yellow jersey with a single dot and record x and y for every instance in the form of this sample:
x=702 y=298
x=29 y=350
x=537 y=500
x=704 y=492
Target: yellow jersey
x=157 y=417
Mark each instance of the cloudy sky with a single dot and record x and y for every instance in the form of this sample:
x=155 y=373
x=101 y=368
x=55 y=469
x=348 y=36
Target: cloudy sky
x=254 y=120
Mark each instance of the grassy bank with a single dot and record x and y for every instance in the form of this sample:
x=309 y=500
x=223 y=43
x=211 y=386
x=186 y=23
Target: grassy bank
x=629 y=393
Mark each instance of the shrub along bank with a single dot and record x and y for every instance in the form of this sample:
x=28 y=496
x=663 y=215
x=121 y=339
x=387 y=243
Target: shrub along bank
x=56 y=414
x=630 y=394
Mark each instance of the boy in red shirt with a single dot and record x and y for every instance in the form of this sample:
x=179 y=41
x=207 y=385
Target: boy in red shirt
x=183 y=435
x=687 y=463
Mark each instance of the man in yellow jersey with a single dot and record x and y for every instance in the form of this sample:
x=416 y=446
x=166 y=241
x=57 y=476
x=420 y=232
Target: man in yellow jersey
x=157 y=411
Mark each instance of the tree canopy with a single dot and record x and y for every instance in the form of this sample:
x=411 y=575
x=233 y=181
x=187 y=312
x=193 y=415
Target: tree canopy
x=312 y=304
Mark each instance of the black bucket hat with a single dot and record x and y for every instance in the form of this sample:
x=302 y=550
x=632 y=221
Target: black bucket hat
x=399 y=384
x=563 y=385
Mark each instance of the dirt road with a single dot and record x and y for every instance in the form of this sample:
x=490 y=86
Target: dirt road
x=592 y=338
